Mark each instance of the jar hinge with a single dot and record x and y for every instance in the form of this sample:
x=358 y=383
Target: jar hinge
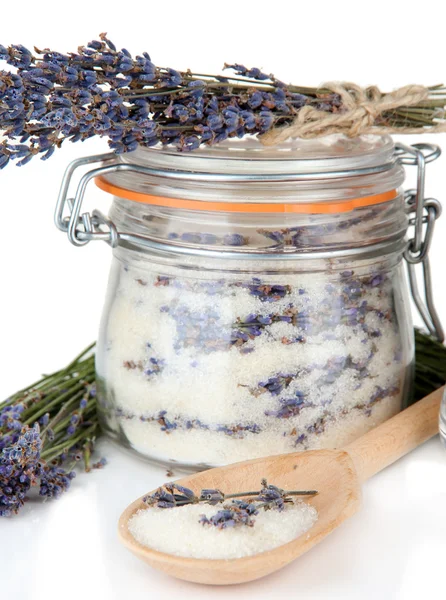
x=425 y=212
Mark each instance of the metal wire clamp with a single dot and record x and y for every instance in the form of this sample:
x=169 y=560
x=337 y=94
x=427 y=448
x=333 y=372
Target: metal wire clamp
x=82 y=228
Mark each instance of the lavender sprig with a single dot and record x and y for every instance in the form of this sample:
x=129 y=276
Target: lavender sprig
x=101 y=91
x=49 y=97
x=172 y=495
x=45 y=430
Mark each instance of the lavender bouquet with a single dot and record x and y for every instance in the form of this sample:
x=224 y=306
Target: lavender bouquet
x=45 y=430
x=50 y=97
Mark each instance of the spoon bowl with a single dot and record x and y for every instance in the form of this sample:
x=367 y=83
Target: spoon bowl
x=336 y=474
x=338 y=499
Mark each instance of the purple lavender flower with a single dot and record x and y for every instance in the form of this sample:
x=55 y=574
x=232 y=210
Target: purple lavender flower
x=10 y=417
x=275 y=385
x=171 y=495
x=290 y=407
x=235 y=514
x=272 y=497
x=71 y=430
x=54 y=481
x=253 y=73
x=300 y=439
x=100 y=90
x=19 y=469
x=268 y=293
x=234 y=239
x=265 y=120
x=238 y=431
x=154 y=366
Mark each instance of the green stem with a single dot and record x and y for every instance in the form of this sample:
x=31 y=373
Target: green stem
x=250 y=83
x=61 y=426
x=80 y=356
x=152 y=92
x=51 y=399
x=57 y=398
x=287 y=493
x=62 y=413
x=47 y=381
x=53 y=452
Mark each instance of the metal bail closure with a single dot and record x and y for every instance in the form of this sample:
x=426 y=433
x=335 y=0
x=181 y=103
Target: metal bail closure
x=426 y=211
x=82 y=228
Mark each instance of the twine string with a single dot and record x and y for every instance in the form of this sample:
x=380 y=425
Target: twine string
x=360 y=113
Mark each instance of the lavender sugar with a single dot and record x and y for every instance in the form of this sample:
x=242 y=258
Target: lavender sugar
x=206 y=371
x=181 y=531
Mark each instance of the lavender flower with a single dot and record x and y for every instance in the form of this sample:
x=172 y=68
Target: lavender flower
x=290 y=407
x=19 y=469
x=268 y=293
x=234 y=239
x=154 y=366
x=271 y=496
x=10 y=417
x=289 y=237
x=101 y=91
x=238 y=512
x=235 y=514
x=30 y=457
x=275 y=385
x=54 y=481
x=170 y=495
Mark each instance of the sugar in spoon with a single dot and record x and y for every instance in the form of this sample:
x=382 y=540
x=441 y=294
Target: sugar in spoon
x=336 y=474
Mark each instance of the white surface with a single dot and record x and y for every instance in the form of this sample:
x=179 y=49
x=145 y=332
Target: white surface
x=52 y=296
x=393 y=549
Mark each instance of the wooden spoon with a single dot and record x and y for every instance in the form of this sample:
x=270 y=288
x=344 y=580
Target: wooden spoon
x=336 y=474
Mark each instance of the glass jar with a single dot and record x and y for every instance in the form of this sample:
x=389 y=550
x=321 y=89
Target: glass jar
x=257 y=302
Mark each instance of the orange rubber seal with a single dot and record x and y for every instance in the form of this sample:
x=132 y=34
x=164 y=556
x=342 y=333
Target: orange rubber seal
x=246 y=207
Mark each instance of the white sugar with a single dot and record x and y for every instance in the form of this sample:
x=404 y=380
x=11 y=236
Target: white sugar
x=178 y=530
x=207 y=408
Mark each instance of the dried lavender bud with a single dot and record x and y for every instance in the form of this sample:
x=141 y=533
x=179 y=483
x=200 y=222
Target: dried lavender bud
x=268 y=293
x=171 y=495
x=102 y=91
x=100 y=464
x=20 y=467
x=54 y=481
x=154 y=366
x=271 y=496
x=211 y=496
x=290 y=407
x=237 y=513
x=275 y=385
x=10 y=417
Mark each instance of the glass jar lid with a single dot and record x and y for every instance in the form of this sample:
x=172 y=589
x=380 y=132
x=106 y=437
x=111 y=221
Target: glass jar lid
x=321 y=175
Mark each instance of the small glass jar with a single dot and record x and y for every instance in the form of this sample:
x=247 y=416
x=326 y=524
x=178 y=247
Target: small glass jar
x=257 y=302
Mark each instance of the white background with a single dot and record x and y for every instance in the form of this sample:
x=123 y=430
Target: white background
x=52 y=293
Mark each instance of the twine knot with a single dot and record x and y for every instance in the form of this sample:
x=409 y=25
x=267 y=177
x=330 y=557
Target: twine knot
x=360 y=113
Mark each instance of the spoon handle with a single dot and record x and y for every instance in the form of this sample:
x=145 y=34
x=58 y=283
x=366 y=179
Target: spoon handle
x=396 y=437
